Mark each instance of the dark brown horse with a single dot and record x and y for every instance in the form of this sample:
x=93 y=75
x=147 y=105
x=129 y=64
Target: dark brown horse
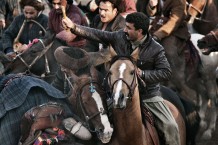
x=38 y=60
x=204 y=15
x=89 y=104
x=128 y=126
x=209 y=42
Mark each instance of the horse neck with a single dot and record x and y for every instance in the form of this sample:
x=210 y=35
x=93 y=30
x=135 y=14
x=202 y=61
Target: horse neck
x=128 y=124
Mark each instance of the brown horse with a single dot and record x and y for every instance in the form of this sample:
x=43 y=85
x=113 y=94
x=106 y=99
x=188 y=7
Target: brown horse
x=203 y=15
x=128 y=126
x=88 y=101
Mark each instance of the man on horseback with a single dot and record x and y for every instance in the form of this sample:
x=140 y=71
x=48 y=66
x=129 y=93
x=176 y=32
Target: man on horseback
x=153 y=66
x=25 y=27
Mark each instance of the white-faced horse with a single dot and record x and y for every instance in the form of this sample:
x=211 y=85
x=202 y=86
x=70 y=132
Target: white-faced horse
x=128 y=126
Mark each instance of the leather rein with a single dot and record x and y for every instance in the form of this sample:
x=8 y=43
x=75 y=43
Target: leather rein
x=29 y=66
x=80 y=105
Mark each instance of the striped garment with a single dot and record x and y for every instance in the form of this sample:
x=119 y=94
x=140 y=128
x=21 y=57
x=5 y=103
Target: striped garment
x=21 y=94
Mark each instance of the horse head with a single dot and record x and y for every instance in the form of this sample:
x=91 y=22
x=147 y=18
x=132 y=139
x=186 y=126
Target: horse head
x=122 y=78
x=35 y=58
x=209 y=42
x=88 y=99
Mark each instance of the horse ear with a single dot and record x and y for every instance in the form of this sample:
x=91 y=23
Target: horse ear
x=93 y=72
x=100 y=57
x=112 y=51
x=74 y=77
x=135 y=54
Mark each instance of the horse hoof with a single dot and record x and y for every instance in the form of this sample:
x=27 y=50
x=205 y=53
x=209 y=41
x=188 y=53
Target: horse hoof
x=77 y=129
x=207 y=135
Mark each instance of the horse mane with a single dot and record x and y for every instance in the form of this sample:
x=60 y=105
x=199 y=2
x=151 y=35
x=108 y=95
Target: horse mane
x=121 y=57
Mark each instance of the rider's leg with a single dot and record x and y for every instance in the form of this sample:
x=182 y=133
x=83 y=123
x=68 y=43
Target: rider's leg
x=164 y=119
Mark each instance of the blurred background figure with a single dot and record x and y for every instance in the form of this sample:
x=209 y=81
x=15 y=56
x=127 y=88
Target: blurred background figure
x=55 y=22
x=25 y=27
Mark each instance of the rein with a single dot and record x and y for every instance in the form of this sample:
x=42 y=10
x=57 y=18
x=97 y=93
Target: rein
x=78 y=92
x=190 y=5
x=214 y=35
x=43 y=52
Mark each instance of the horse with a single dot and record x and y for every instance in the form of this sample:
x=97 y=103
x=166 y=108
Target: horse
x=88 y=100
x=206 y=88
x=38 y=60
x=203 y=15
x=128 y=125
x=209 y=42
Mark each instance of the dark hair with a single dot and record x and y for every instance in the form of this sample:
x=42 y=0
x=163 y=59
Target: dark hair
x=37 y=4
x=115 y=4
x=140 y=21
x=68 y=1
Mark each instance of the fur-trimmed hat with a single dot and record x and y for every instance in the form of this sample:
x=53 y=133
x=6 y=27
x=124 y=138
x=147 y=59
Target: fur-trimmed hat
x=37 y=4
x=68 y=1
x=72 y=58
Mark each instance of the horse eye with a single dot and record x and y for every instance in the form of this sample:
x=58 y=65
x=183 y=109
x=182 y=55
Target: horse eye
x=132 y=72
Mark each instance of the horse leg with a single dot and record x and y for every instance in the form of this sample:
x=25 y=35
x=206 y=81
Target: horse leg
x=211 y=106
x=179 y=120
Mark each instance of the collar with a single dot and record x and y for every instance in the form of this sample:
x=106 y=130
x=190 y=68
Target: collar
x=137 y=43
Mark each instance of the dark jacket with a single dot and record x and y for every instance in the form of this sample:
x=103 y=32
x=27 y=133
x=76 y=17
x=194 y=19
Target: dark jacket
x=175 y=10
x=116 y=24
x=152 y=59
x=27 y=35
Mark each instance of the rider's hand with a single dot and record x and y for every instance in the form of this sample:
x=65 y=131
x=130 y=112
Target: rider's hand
x=2 y=23
x=11 y=55
x=67 y=23
x=153 y=3
x=140 y=72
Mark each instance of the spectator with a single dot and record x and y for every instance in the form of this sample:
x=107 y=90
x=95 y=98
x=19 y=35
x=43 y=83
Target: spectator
x=55 y=24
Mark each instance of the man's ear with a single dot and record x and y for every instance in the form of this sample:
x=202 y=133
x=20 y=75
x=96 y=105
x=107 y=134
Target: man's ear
x=115 y=10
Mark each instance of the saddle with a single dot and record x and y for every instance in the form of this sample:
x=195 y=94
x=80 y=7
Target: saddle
x=148 y=120
x=48 y=115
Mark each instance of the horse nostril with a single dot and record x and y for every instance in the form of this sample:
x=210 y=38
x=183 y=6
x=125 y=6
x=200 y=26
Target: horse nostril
x=100 y=130
x=121 y=97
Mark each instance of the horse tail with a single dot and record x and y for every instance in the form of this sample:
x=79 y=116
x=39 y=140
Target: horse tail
x=192 y=121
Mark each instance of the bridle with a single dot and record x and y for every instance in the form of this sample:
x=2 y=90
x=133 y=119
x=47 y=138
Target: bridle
x=214 y=35
x=133 y=84
x=29 y=66
x=80 y=105
x=191 y=6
